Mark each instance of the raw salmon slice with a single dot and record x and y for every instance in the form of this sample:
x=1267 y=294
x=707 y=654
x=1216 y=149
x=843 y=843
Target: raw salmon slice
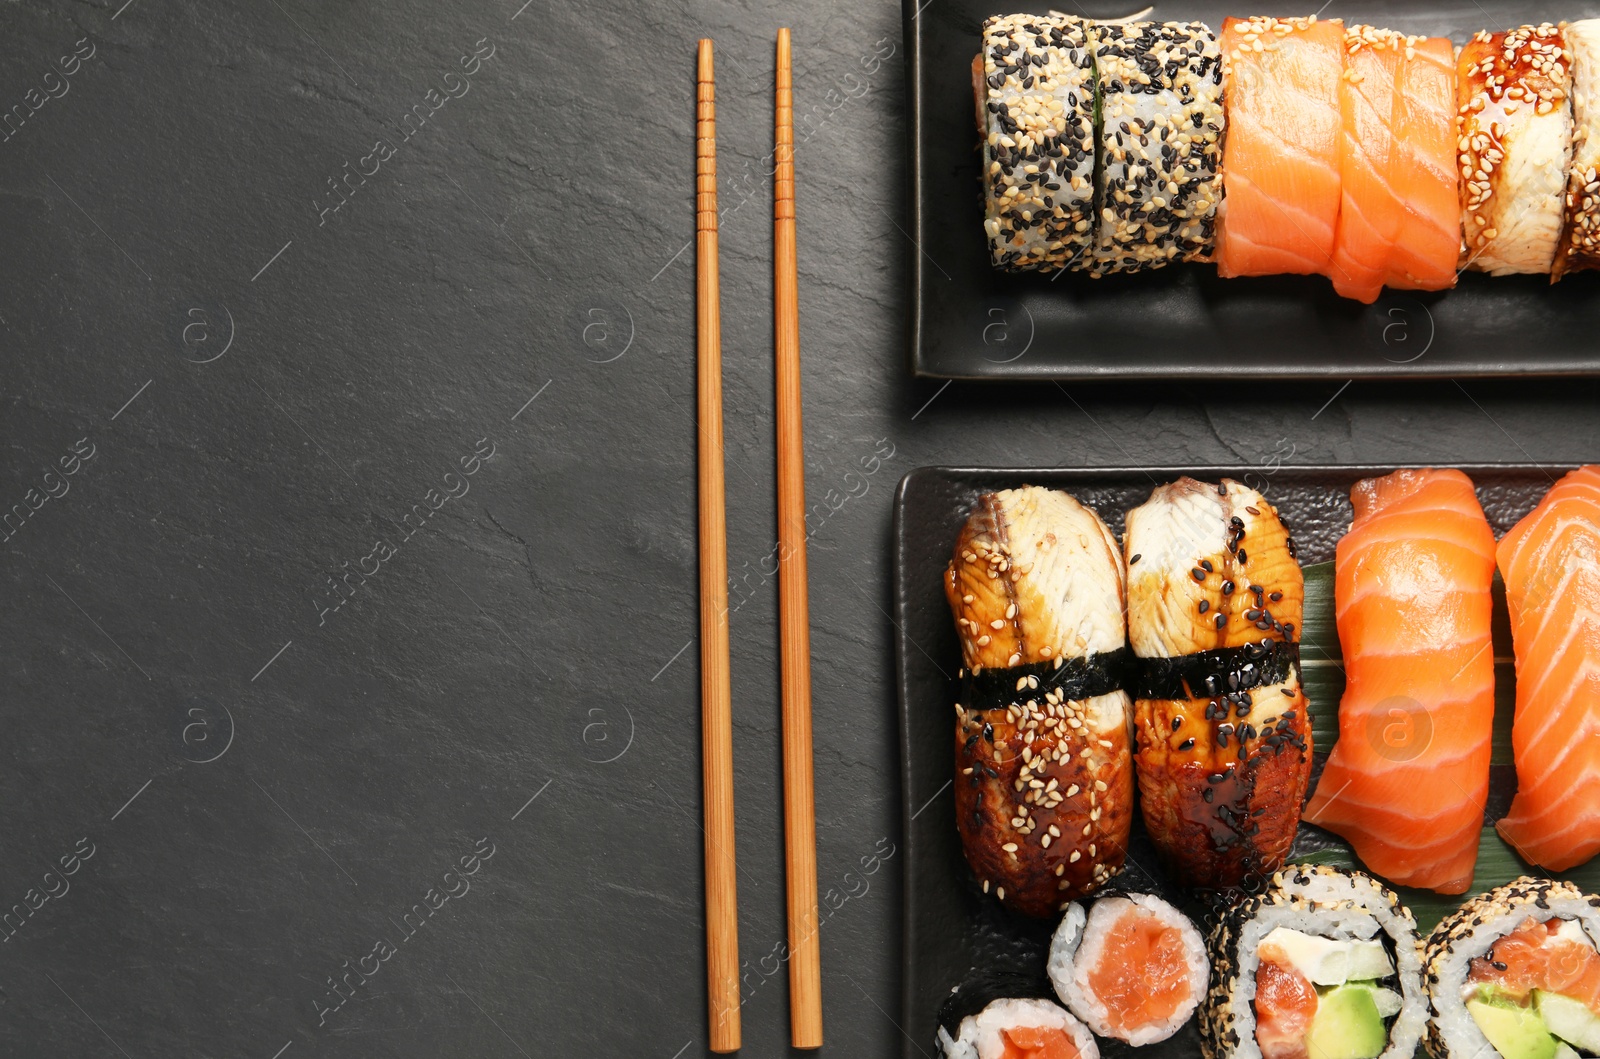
x=1143 y=973
x=1407 y=780
x=1550 y=562
x=1534 y=956
x=1038 y=1043
x=1399 y=216
x=1281 y=157
x=1286 y=1001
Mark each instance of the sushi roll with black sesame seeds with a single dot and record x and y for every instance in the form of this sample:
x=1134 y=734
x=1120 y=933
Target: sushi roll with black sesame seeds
x=1516 y=972
x=1160 y=176
x=1044 y=767
x=1018 y=1026
x=1133 y=967
x=1034 y=86
x=1324 y=962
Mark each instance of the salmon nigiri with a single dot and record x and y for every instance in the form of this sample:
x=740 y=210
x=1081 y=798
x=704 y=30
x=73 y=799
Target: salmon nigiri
x=1281 y=87
x=1399 y=219
x=1550 y=562
x=1407 y=780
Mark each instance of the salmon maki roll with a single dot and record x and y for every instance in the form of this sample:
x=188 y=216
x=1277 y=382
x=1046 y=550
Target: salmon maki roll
x=1407 y=780
x=1223 y=729
x=1580 y=239
x=1514 y=135
x=1400 y=216
x=1281 y=82
x=1550 y=562
x=1044 y=771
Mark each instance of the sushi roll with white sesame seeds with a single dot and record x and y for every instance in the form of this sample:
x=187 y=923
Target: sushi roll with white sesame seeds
x=1034 y=86
x=1133 y=968
x=1324 y=962
x=1517 y=968
x=1044 y=769
x=1514 y=132
x=1161 y=125
x=1580 y=239
x=1223 y=727
x=1019 y=1026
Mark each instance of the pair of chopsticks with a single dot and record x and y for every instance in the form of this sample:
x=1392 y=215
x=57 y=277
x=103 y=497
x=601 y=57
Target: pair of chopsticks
x=800 y=825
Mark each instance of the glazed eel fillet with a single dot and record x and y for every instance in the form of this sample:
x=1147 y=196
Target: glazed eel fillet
x=1044 y=776
x=1224 y=735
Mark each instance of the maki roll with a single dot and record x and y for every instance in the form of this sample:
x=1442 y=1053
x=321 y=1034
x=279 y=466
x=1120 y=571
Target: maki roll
x=1160 y=86
x=1019 y=1028
x=1324 y=962
x=1223 y=727
x=1034 y=86
x=1516 y=973
x=1514 y=134
x=1133 y=968
x=1044 y=772
x=1580 y=240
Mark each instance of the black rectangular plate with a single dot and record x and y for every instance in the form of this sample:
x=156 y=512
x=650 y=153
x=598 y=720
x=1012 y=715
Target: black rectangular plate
x=969 y=321
x=957 y=936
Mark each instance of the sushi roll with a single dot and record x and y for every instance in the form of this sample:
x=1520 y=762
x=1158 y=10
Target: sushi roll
x=1514 y=134
x=1034 y=82
x=1133 y=968
x=1223 y=728
x=1516 y=973
x=1281 y=81
x=1018 y=1027
x=1044 y=771
x=1160 y=87
x=1580 y=239
x=1324 y=962
x=1419 y=671
x=1400 y=217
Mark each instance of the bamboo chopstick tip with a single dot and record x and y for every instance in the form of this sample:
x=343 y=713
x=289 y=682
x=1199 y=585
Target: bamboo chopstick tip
x=704 y=56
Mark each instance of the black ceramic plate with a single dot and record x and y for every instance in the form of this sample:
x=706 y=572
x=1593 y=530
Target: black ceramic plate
x=957 y=937
x=970 y=321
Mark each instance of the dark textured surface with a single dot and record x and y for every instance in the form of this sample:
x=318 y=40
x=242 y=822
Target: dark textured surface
x=542 y=623
x=977 y=322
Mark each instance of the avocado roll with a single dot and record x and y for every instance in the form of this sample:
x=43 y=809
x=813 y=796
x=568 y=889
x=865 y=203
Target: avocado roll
x=1132 y=967
x=1034 y=86
x=1515 y=973
x=1324 y=962
x=1161 y=124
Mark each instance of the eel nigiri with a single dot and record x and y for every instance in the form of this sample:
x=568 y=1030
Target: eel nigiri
x=1514 y=135
x=1550 y=562
x=1044 y=776
x=1580 y=237
x=1400 y=218
x=1407 y=780
x=1281 y=155
x=1223 y=728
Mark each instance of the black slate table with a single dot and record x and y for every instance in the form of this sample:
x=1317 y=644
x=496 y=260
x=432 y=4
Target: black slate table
x=350 y=688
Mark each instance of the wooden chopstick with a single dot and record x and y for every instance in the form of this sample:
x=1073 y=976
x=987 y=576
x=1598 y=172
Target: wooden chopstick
x=794 y=622
x=716 y=703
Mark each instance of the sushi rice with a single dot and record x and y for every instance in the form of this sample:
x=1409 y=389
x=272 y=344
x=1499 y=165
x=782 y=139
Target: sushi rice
x=1320 y=901
x=1078 y=949
x=1580 y=242
x=981 y=1036
x=1471 y=932
x=1160 y=182
x=1038 y=144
